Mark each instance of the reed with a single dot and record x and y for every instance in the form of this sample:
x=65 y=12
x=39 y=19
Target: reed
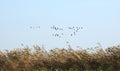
x=38 y=59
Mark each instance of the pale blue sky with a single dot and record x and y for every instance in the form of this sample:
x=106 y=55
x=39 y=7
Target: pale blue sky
x=100 y=19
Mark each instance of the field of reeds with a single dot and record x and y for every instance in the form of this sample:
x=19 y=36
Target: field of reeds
x=38 y=59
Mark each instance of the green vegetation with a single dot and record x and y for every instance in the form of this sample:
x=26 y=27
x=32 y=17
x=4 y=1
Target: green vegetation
x=38 y=59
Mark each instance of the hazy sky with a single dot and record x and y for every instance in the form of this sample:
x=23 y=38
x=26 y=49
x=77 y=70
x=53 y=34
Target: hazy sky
x=100 y=20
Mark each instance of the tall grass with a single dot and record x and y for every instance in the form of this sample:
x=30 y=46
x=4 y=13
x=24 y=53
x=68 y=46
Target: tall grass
x=38 y=59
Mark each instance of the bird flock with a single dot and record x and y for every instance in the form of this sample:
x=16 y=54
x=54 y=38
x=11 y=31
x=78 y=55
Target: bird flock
x=34 y=27
x=75 y=30
x=59 y=31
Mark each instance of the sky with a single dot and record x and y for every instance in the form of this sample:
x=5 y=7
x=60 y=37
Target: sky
x=100 y=20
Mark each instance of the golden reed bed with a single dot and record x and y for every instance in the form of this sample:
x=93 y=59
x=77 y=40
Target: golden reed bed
x=38 y=59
